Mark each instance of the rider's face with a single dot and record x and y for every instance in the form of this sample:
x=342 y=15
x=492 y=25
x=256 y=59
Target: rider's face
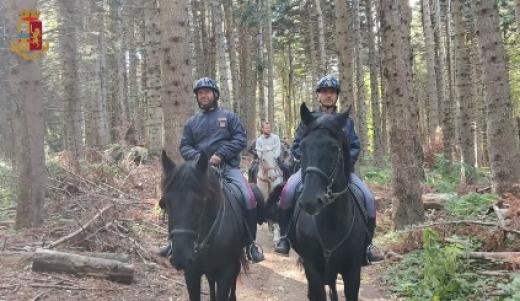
x=327 y=97
x=205 y=97
x=266 y=129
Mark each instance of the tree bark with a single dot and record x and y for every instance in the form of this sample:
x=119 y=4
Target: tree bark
x=517 y=11
x=448 y=107
x=25 y=85
x=322 y=54
x=464 y=95
x=433 y=102
x=218 y=24
x=395 y=25
x=154 y=118
x=73 y=99
x=270 y=72
x=344 y=47
x=231 y=34
x=176 y=93
x=502 y=131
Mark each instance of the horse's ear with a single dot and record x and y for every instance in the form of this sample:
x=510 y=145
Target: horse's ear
x=305 y=114
x=167 y=163
x=342 y=118
x=203 y=162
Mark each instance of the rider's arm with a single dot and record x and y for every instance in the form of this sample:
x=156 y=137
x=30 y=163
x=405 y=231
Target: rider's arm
x=295 y=148
x=238 y=140
x=355 y=144
x=187 y=147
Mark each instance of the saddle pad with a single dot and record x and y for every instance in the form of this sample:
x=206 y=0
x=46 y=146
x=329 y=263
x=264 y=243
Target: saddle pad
x=359 y=199
x=233 y=194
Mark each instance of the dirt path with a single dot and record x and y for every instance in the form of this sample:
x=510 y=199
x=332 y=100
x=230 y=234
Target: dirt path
x=279 y=278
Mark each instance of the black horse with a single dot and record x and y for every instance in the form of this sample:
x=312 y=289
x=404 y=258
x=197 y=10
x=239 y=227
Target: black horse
x=206 y=231
x=328 y=230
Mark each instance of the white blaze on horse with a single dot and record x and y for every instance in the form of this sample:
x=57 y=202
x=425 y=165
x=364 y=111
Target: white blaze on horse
x=269 y=176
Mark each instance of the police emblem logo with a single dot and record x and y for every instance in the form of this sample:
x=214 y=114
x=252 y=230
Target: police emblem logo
x=29 y=44
x=222 y=122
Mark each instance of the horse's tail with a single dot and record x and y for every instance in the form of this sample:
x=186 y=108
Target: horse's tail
x=260 y=204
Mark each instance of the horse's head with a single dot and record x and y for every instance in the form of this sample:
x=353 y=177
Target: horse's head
x=186 y=193
x=323 y=168
x=268 y=166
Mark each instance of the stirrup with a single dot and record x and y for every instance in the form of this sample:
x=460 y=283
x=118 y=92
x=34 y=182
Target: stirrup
x=370 y=255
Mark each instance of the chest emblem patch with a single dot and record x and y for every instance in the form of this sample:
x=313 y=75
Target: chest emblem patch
x=222 y=122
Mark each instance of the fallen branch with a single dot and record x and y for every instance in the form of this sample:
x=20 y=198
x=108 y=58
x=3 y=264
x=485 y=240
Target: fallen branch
x=81 y=229
x=75 y=288
x=465 y=222
x=500 y=273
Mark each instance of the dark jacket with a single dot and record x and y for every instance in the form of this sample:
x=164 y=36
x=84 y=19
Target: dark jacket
x=218 y=132
x=350 y=133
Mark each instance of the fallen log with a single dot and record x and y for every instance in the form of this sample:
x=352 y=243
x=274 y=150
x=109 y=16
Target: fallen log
x=125 y=258
x=54 y=261
x=513 y=257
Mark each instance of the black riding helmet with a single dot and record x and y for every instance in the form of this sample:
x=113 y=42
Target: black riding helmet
x=208 y=83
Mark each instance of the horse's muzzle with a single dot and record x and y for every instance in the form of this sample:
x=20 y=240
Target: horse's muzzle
x=312 y=205
x=180 y=262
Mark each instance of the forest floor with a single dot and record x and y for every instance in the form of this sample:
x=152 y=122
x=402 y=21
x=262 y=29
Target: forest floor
x=133 y=226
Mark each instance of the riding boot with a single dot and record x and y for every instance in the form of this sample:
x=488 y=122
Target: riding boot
x=166 y=250
x=253 y=252
x=283 y=246
x=371 y=253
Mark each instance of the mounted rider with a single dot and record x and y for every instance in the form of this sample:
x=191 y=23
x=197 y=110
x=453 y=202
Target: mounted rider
x=327 y=92
x=220 y=134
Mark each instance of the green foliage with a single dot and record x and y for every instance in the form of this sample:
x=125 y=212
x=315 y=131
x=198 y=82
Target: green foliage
x=445 y=175
x=437 y=273
x=471 y=204
x=375 y=175
x=512 y=288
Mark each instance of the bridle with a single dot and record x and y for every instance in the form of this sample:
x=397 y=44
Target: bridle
x=330 y=196
x=202 y=242
x=265 y=170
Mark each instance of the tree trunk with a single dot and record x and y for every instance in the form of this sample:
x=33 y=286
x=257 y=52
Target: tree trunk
x=322 y=55
x=218 y=24
x=69 y=50
x=448 y=107
x=445 y=107
x=118 y=103
x=344 y=47
x=25 y=84
x=316 y=73
x=517 y=10
x=502 y=131
x=433 y=102
x=270 y=62
x=361 y=110
x=395 y=22
x=374 y=88
x=231 y=34
x=464 y=95
x=198 y=57
x=176 y=93
x=260 y=72
x=154 y=118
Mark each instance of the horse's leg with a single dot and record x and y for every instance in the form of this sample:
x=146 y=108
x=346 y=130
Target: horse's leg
x=193 y=283
x=211 y=283
x=333 y=292
x=227 y=281
x=351 y=282
x=315 y=285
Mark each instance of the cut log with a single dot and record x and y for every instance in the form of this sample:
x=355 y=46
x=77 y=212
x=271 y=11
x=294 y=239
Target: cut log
x=512 y=257
x=435 y=200
x=54 y=261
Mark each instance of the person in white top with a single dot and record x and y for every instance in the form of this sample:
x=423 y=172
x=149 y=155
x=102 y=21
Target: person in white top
x=268 y=140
